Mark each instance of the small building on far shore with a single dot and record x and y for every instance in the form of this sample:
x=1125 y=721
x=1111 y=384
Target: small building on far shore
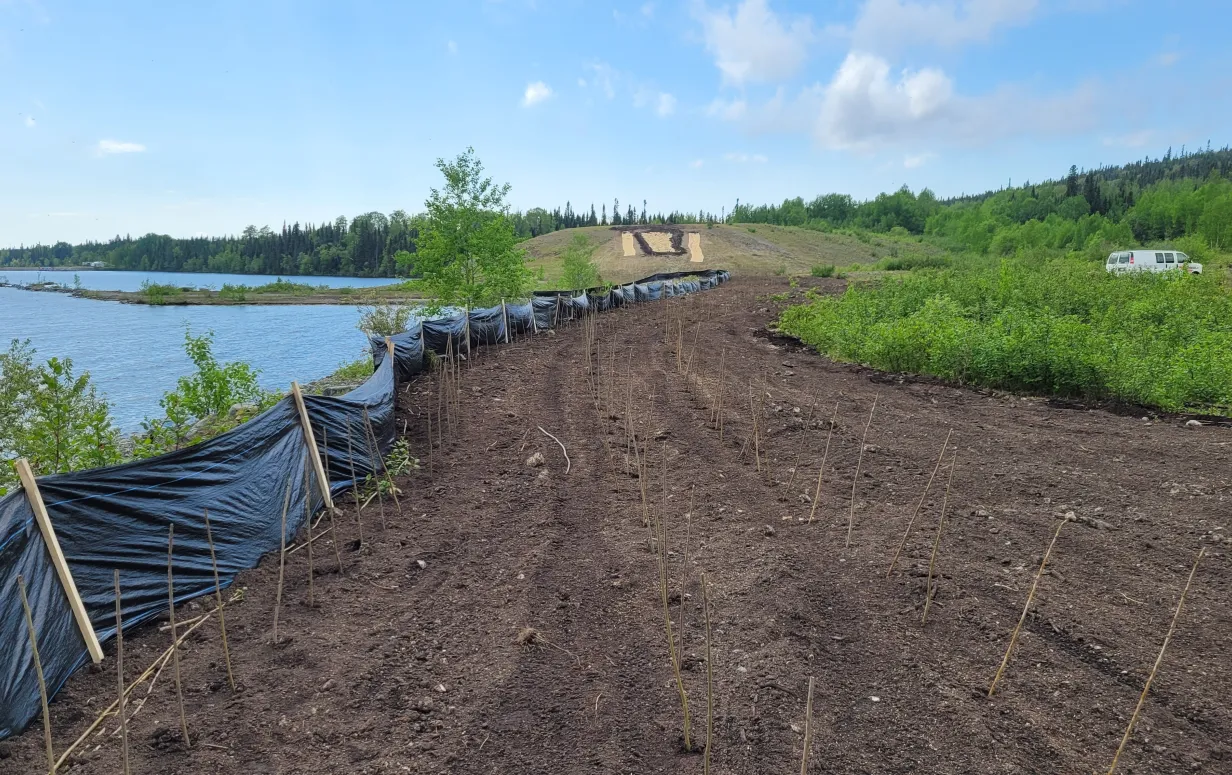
x=96 y=264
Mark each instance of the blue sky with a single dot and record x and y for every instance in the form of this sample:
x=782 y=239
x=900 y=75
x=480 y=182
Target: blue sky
x=203 y=117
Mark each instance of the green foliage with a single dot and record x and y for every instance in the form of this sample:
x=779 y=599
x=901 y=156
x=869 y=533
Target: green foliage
x=359 y=369
x=51 y=416
x=201 y=404
x=381 y=318
x=468 y=250
x=578 y=269
x=1039 y=324
x=909 y=262
x=156 y=293
x=286 y=287
x=822 y=270
x=404 y=263
x=234 y=292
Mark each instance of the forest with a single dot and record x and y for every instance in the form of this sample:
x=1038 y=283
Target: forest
x=1184 y=198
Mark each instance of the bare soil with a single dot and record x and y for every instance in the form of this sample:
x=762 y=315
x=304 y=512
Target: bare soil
x=411 y=661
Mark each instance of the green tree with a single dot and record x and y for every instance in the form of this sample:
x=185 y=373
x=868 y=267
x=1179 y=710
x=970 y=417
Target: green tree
x=578 y=270
x=468 y=249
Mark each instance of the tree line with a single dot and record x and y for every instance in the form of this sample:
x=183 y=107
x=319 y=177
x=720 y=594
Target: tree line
x=369 y=245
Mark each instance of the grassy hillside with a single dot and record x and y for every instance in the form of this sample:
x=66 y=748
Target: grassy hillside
x=758 y=249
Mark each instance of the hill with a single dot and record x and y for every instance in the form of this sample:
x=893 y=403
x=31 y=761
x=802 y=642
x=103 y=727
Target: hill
x=749 y=249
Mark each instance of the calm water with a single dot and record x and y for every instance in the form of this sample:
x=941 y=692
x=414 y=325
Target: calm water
x=105 y=280
x=135 y=352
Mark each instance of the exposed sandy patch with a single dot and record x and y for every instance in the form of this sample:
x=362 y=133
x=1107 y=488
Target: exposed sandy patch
x=628 y=243
x=695 y=248
x=659 y=241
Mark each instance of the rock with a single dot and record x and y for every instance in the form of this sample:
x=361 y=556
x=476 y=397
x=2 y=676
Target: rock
x=421 y=564
x=535 y=461
x=768 y=530
x=241 y=409
x=1193 y=424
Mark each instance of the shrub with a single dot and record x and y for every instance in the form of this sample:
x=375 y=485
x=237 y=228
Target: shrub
x=822 y=270
x=233 y=292
x=381 y=318
x=355 y=370
x=156 y=293
x=578 y=269
x=1035 y=324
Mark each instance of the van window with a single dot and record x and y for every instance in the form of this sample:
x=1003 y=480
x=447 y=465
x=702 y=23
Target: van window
x=1181 y=257
x=1159 y=258
x=1171 y=257
x=1125 y=258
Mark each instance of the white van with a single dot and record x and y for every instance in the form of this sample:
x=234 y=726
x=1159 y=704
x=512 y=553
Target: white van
x=1150 y=261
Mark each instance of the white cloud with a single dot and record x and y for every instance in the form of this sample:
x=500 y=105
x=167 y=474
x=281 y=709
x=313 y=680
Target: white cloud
x=884 y=26
x=697 y=164
x=648 y=10
x=582 y=82
x=745 y=158
x=30 y=122
x=866 y=106
x=452 y=46
x=535 y=93
x=1167 y=59
x=753 y=44
x=666 y=106
x=1131 y=140
x=106 y=147
x=728 y=110
x=605 y=77
x=918 y=160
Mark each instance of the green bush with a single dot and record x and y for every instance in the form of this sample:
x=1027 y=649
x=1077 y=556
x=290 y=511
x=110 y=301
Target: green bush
x=285 y=287
x=1058 y=326
x=357 y=369
x=822 y=270
x=156 y=293
x=233 y=292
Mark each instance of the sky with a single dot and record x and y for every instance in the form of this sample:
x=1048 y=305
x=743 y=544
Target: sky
x=200 y=118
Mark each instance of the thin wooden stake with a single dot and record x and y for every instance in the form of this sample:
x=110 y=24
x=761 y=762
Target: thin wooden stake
x=722 y=384
x=1030 y=596
x=373 y=453
x=803 y=443
x=1129 y=730
x=918 y=505
x=822 y=470
x=376 y=449
x=330 y=512
x=282 y=559
x=851 y=515
x=932 y=561
x=312 y=598
x=222 y=621
x=709 y=679
x=359 y=506
x=808 y=728
x=175 y=651
x=38 y=671
x=120 y=674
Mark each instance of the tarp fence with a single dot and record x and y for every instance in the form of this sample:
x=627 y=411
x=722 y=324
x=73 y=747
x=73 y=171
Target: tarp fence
x=118 y=517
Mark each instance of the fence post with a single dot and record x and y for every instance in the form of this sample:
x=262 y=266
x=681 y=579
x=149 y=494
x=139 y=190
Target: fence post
x=505 y=315
x=467 y=312
x=30 y=485
x=311 y=439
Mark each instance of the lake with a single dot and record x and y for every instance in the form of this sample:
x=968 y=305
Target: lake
x=110 y=280
x=135 y=352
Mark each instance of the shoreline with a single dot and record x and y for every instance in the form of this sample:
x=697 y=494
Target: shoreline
x=335 y=296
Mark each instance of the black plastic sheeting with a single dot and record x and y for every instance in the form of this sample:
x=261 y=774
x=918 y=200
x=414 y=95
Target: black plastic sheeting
x=118 y=517
x=546 y=309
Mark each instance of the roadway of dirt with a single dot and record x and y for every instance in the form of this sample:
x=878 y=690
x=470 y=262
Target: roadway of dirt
x=411 y=661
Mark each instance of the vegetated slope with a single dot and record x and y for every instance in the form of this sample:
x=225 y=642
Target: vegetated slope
x=411 y=660
x=749 y=250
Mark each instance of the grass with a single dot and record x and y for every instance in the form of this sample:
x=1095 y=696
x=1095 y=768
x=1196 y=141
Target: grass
x=1039 y=324
x=766 y=251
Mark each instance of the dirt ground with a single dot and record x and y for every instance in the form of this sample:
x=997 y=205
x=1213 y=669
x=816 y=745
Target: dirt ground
x=411 y=663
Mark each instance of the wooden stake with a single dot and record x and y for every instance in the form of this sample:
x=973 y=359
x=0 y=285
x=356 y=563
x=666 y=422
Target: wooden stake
x=932 y=561
x=80 y=616
x=222 y=620
x=310 y=440
x=1030 y=596
x=120 y=672
x=923 y=495
x=373 y=454
x=332 y=528
x=851 y=516
x=282 y=558
x=822 y=470
x=722 y=384
x=803 y=444
x=359 y=506
x=38 y=671
x=505 y=315
x=709 y=679
x=312 y=600
x=808 y=728
x=175 y=651
x=667 y=619
x=1129 y=730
